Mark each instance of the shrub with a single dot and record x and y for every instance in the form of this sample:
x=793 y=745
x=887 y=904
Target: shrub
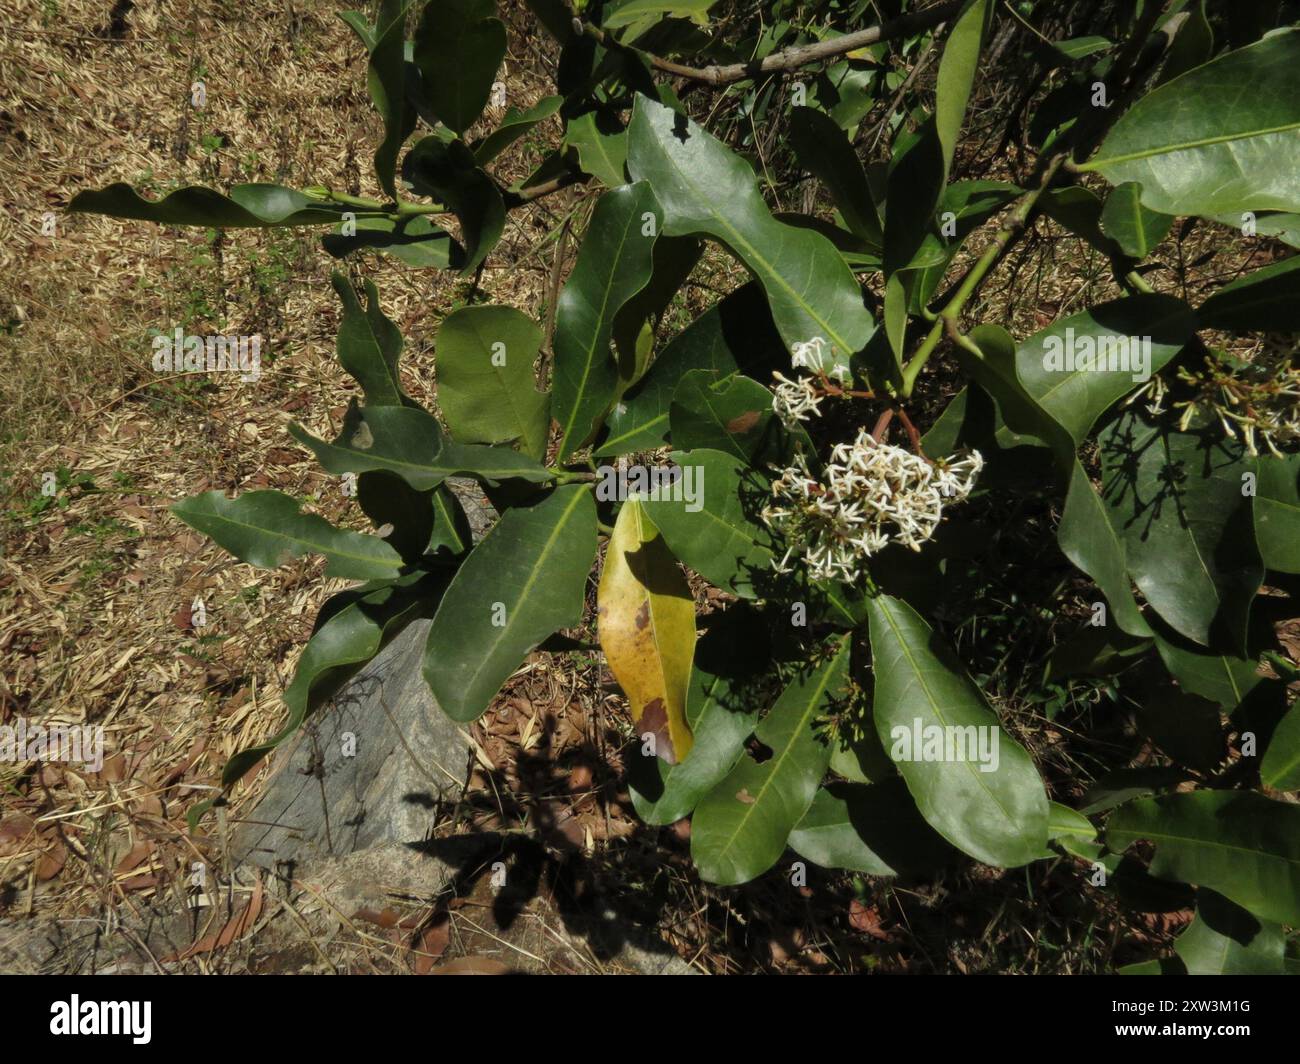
x=838 y=494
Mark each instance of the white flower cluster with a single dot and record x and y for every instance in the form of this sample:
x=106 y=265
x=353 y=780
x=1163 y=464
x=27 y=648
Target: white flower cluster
x=793 y=401
x=818 y=356
x=872 y=494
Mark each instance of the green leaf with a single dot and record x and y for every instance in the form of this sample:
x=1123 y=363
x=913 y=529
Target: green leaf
x=714 y=527
x=1090 y=541
x=1220 y=139
x=614 y=263
x=740 y=827
x=633 y=10
x=370 y=345
x=1277 y=512
x=525 y=580
x=1222 y=678
x=1192 y=45
x=386 y=78
x=1129 y=339
x=957 y=69
x=635 y=323
x=733 y=415
x=485 y=378
x=812 y=292
x=1081 y=47
x=1280 y=768
x=1267 y=300
x=265 y=528
x=1133 y=227
x=601 y=143
x=1238 y=843
x=447 y=172
x=1225 y=939
x=872 y=828
x=998 y=816
x=734 y=335
x=247 y=206
x=415 y=241
x=823 y=149
x=407 y=441
x=1175 y=499
x=351 y=628
x=721 y=708
x=513 y=126
x=459 y=45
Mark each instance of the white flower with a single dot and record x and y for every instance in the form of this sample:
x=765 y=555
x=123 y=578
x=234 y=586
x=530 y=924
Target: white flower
x=795 y=400
x=809 y=354
x=870 y=495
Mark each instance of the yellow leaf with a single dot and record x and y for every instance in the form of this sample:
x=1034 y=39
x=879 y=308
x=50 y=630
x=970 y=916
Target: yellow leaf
x=646 y=623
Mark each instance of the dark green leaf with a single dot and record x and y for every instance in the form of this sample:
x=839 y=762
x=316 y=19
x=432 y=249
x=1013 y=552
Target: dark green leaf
x=1136 y=229
x=1267 y=300
x=513 y=126
x=601 y=144
x=1219 y=139
x=265 y=528
x=810 y=289
x=415 y=241
x=447 y=172
x=370 y=345
x=998 y=815
x=522 y=582
x=740 y=827
x=485 y=378
x=1225 y=939
x=386 y=78
x=1277 y=513
x=248 y=206
x=1238 y=843
x=459 y=45
x=614 y=263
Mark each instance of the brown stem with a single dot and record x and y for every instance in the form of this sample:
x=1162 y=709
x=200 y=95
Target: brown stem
x=792 y=58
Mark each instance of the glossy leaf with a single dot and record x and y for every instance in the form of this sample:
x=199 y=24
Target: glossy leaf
x=718 y=532
x=266 y=529
x=386 y=78
x=414 y=241
x=459 y=45
x=1219 y=139
x=1175 y=499
x=514 y=125
x=1267 y=300
x=740 y=827
x=734 y=335
x=614 y=263
x=1277 y=512
x=409 y=442
x=998 y=816
x=1280 y=768
x=370 y=345
x=601 y=144
x=636 y=321
x=823 y=149
x=871 y=828
x=1136 y=229
x=524 y=580
x=247 y=206
x=1130 y=338
x=1238 y=843
x=485 y=378
x=633 y=10
x=1222 y=678
x=646 y=623
x=810 y=289
x=733 y=415
x=1091 y=542
x=1224 y=939
x=447 y=172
